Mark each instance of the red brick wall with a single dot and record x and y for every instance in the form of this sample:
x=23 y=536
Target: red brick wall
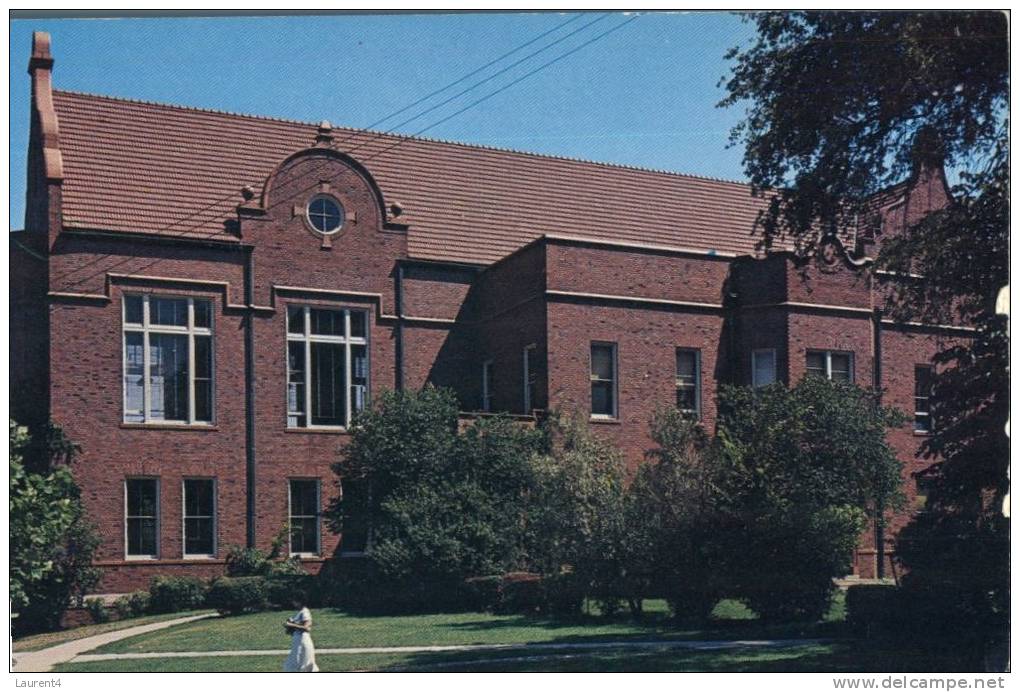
x=457 y=318
x=646 y=341
x=630 y=272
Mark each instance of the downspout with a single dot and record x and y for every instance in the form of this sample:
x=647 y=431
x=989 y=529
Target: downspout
x=398 y=346
x=876 y=383
x=249 y=392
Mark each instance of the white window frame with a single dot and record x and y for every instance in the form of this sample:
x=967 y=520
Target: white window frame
x=758 y=353
x=159 y=504
x=308 y=339
x=318 y=517
x=614 y=352
x=828 y=361
x=923 y=414
x=487 y=385
x=145 y=329
x=529 y=351
x=697 y=379
x=185 y=516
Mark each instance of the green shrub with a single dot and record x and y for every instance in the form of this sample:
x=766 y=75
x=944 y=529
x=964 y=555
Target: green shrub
x=521 y=593
x=482 y=593
x=287 y=590
x=245 y=562
x=97 y=609
x=872 y=608
x=236 y=595
x=563 y=594
x=174 y=594
x=132 y=605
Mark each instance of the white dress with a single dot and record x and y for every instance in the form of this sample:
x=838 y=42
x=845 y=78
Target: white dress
x=302 y=652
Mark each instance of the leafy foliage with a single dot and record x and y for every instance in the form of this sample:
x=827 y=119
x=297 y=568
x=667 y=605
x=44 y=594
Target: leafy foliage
x=174 y=594
x=805 y=466
x=577 y=518
x=442 y=506
x=890 y=90
x=247 y=562
x=678 y=513
x=841 y=104
x=236 y=595
x=51 y=541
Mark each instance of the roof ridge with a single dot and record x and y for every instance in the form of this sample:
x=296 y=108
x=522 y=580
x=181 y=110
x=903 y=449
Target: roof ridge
x=420 y=138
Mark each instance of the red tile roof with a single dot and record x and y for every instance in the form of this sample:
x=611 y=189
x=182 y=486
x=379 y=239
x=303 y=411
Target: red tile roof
x=144 y=167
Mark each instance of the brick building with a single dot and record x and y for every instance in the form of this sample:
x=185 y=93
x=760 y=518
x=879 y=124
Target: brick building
x=201 y=300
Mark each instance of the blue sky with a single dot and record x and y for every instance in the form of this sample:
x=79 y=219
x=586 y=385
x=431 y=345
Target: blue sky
x=643 y=95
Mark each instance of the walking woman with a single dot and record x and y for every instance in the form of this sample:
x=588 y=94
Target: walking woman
x=302 y=651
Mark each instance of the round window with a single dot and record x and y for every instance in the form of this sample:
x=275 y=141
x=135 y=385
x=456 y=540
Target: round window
x=325 y=214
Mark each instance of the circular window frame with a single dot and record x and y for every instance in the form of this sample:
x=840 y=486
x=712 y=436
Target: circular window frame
x=308 y=215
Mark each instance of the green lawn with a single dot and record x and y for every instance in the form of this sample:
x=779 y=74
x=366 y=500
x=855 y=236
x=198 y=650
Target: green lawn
x=834 y=657
x=335 y=629
x=34 y=642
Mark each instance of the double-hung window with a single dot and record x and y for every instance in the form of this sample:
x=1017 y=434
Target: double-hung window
x=923 y=383
x=304 y=517
x=763 y=367
x=688 y=380
x=487 y=386
x=530 y=377
x=141 y=517
x=199 y=517
x=168 y=360
x=603 y=381
x=327 y=366
x=832 y=365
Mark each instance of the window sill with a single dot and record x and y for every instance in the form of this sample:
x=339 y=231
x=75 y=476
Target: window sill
x=307 y=556
x=135 y=560
x=193 y=427
x=922 y=433
x=141 y=558
x=198 y=558
x=318 y=431
x=604 y=419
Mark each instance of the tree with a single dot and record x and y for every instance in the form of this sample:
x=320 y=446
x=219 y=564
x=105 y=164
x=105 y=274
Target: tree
x=840 y=106
x=805 y=467
x=577 y=521
x=51 y=541
x=441 y=506
x=682 y=529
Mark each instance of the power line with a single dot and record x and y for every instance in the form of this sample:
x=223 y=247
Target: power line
x=216 y=203
x=478 y=83
x=404 y=138
x=492 y=62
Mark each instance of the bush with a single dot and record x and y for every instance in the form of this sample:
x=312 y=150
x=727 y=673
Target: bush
x=97 y=609
x=287 y=590
x=443 y=505
x=872 y=608
x=174 y=594
x=236 y=595
x=132 y=605
x=520 y=593
x=51 y=541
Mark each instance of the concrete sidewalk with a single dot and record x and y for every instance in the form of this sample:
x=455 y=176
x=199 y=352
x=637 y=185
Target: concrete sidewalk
x=43 y=660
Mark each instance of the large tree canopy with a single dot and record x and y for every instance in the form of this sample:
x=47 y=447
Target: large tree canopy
x=841 y=105
x=836 y=101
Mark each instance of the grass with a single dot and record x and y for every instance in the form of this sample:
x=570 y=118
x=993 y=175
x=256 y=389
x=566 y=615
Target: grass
x=34 y=642
x=531 y=660
x=335 y=629
x=832 y=657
